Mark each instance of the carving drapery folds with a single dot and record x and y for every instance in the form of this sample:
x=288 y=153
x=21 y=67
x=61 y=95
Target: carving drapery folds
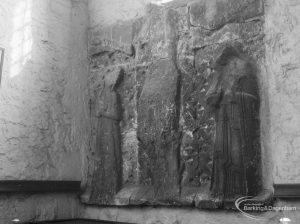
x=107 y=175
x=176 y=116
x=233 y=97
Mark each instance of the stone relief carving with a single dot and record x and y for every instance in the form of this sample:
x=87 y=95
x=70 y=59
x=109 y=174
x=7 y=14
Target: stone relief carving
x=186 y=130
x=158 y=132
x=234 y=99
x=107 y=177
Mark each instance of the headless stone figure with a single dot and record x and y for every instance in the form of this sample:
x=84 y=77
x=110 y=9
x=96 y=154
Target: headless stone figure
x=107 y=178
x=233 y=98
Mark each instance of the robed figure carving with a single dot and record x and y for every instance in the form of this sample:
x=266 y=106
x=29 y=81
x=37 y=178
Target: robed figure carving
x=107 y=177
x=233 y=97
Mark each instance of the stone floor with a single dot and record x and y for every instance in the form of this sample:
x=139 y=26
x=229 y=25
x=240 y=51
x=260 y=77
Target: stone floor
x=163 y=215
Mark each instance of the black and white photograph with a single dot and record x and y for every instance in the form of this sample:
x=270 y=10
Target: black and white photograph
x=149 y=111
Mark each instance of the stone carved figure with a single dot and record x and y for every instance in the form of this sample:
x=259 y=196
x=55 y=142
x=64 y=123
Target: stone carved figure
x=107 y=178
x=233 y=97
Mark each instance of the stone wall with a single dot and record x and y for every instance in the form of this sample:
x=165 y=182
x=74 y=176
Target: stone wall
x=43 y=102
x=47 y=98
x=110 y=48
x=181 y=40
x=260 y=35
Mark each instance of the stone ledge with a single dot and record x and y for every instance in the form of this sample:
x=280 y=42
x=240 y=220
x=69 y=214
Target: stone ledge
x=139 y=195
x=287 y=190
x=198 y=197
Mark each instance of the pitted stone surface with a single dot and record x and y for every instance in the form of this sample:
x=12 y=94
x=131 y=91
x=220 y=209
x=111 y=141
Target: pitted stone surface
x=212 y=15
x=168 y=71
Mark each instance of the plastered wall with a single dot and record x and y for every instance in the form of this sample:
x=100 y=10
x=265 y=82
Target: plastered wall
x=42 y=96
x=282 y=28
x=38 y=207
x=44 y=116
x=43 y=103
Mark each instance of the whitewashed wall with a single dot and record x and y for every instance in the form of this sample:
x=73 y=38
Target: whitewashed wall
x=43 y=102
x=282 y=28
x=43 y=111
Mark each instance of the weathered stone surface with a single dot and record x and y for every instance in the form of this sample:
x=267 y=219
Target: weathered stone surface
x=145 y=195
x=109 y=38
x=167 y=112
x=158 y=133
x=158 y=105
x=186 y=196
x=123 y=196
x=155 y=35
x=249 y=32
x=103 y=64
x=214 y=14
x=107 y=175
x=234 y=99
x=198 y=127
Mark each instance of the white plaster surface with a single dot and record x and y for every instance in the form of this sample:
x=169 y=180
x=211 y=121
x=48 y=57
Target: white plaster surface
x=38 y=207
x=282 y=28
x=43 y=103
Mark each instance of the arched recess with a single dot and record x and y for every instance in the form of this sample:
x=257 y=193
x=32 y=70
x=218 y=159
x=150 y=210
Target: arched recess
x=234 y=99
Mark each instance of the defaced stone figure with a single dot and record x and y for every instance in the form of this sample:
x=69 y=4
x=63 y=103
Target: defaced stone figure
x=107 y=178
x=233 y=98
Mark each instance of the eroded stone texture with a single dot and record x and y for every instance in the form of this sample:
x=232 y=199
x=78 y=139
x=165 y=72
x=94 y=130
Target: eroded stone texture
x=212 y=15
x=119 y=169
x=234 y=99
x=168 y=71
x=158 y=127
x=158 y=108
x=107 y=177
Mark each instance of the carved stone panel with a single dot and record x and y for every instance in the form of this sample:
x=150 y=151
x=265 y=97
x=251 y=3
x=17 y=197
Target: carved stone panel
x=176 y=119
x=233 y=98
x=158 y=133
x=107 y=175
